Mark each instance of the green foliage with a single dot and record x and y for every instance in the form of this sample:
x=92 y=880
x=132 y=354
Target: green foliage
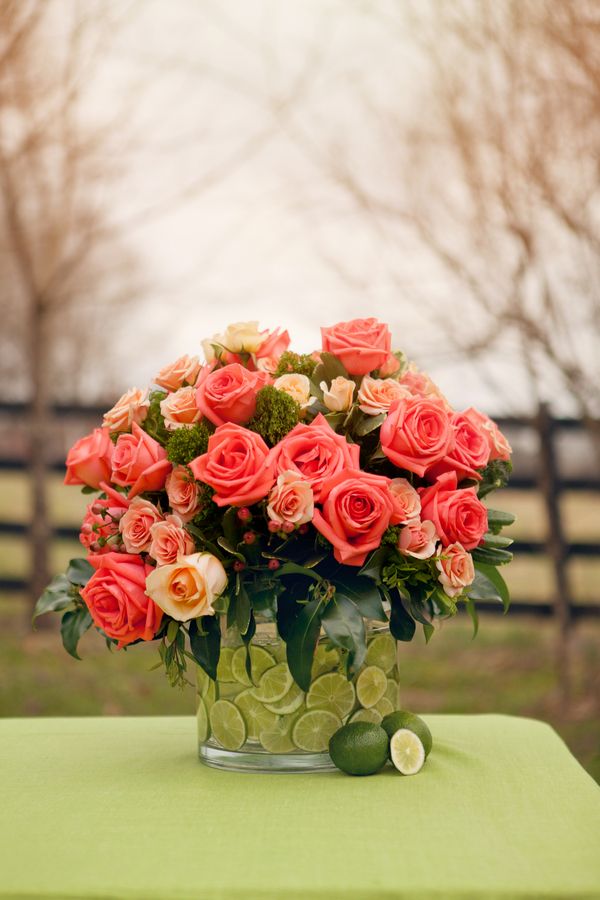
x=63 y=591
x=185 y=444
x=498 y=519
x=495 y=475
x=173 y=654
x=345 y=628
x=391 y=536
x=301 y=363
x=74 y=624
x=402 y=624
x=302 y=638
x=276 y=414
x=205 y=643
x=154 y=423
x=489 y=585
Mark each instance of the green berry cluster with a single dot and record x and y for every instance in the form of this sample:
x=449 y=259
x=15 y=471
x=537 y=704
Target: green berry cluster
x=276 y=414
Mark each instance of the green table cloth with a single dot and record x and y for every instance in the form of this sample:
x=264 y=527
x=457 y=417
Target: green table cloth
x=121 y=807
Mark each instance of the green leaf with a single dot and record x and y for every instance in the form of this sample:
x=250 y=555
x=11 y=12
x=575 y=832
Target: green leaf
x=498 y=519
x=73 y=625
x=172 y=630
x=86 y=489
x=489 y=585
x=345 y=628
x=291 y=568
x=79 y=571
x=363 y=593
x=496 y=541
x=57 y=596
x=303 y=635
x=494 y=476
x=225 y=544
x=491 y=557
x=243 y=610
x=428 y=630
x=205 y=643
x=374 y=564
x=402 y=625
x=368 y=424
x=329 y=368
x=472 y=610
x=230 y=523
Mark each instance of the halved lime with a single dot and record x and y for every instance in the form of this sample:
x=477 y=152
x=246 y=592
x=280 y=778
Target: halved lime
x=277 y=739
x=381 y=652
x=224 y=672
x=366 y=715
x=314 y=729
x=402 y=718
x=202 y=720
x=289 y=703
x=371 y=685
x=407 y=752
x=332 y=692
x=324 y=660
x=384 y=707
x=261 y=661
x=256 y=716
x=274 y=684
x=227 y=725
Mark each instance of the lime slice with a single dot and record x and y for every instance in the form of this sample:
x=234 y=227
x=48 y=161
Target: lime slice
x=289 y=703
x=256 y=716
x=314 y=729
x=367 y=715
x=224 y=672
x=230 y=689
x=384 y=707
x=202 y=720
x=279 y=651
x=261 y=661
x=381 y=652
x=392 y=692
x=277 y=739
x=407 y=752
x=332 y=692
x=371 y=685
x=227 y=725
x=325 y=660
x=274 y=684
x=203 y=681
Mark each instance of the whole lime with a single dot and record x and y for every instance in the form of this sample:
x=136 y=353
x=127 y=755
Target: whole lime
x=359 y=748
x=401 y=718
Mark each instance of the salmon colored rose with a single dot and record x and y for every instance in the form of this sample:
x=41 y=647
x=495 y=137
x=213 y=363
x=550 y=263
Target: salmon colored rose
x=498 y=444
x=361 y=345
x=418 y=539
x=187 y=588
x=237 y=465
x=228 y=394
x=184 y=371
x=315 y=452
x=136 y=523
x=179 y=409
x=416 y=434
x=406 y=501
x=169 y=541
x=291 y=500
x=131 y=407
x=89 y=461
x=376 y=395
x=471 y=450
x=357 y=508
x=339 y=395
x=456 y=569
x=182 y=491
x=458 y=514
x=116 y=598
x=140 y=462
x=420 y=385
x=390 y=366
x=298 y=388
x=273 y=345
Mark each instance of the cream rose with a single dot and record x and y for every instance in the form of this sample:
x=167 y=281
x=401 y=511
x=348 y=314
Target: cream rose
x=418 y=539
x=407 y=503
x=169 y=541
x=135 y=525
x=131 y=407
x=297 y=386
x=290 y=500
x=184 y=370
x=456 y=569
x=338 y=397
x=238 y=337
x=180 y=409
x=376 y=395
x=187 y=589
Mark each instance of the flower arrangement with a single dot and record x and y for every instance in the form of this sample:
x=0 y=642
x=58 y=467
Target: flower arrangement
x=318 y=491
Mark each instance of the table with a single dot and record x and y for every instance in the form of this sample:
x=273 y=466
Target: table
x=120 y=807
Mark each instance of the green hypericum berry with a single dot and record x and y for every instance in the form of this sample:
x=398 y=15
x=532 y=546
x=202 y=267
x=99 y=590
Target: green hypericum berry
x=185 y=444
x=359 y=748
x=402 y=719
x=276 y=414
x=302 y=363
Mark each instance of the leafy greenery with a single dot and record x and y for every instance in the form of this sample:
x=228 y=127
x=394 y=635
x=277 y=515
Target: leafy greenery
x=205 y=643
x=302 y=363
x=495 y=475
x=185 y=444
x=276 y=414
x=302 y=640
x=74 y=624
x=345 y=628
x=154 y=423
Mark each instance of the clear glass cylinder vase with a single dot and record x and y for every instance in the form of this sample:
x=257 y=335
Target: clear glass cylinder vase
x=260 y=720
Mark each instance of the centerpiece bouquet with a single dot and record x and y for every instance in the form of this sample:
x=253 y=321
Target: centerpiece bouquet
x=280 y=521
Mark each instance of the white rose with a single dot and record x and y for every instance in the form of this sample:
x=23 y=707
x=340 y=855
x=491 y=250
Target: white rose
x=297 y=386
x=338 y=397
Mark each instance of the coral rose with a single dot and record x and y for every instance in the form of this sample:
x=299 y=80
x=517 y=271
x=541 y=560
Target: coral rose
x=169 y=541
x=316 y=453
x=273 y=345
x=182 y=491
x=298 y=388
x=376 y=395
x=131 y=407
x=179 y=409
x=184 y=371
x=390 y=366
x=237 y=465
x=458 y=514
x=291 y=500
x=361 y=345
x=187 y=589
x=139 y=461
x=229 y=394
x=416 y=434
x=420 y=385
x=471 y=450
x=89 y=461
x=406 y=501
x=418 y=539
x=116 y=598
x=136 y=523
x=456 y=569
x=498 y=444
x=339 y=395
x=357 y=508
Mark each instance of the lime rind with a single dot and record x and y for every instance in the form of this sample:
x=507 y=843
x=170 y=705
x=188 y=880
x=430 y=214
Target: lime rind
x=314 y=729
x=227 y=725
x=407 y=752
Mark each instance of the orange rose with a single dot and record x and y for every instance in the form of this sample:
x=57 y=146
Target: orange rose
x=228 y=394
x=183 y=371
x=139 y=461
x=456 y=569
x=237 y=465
x=182 y=491
x=89 y=461
x=416 y=434
x=179 y=409
x=169 y=541
x=131 y=407
x=136 y=523
x=361 y=345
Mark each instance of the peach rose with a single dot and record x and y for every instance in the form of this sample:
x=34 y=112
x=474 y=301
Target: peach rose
x=406 y=500
x=298 y=388
x=169 y=541
x=456 y=569
x=339 y=395
x=229 y=394
x=184 y=371
x=139 y=461
x=315 y=452
x=420 y=384
x=471 y=450
x=182 y=491
x=274 y=344
x=390 y=366
x=458 y=514
x=376 y=395
x=179 y=409
x=416 y=434
x=131 y=407
x=136 y=523
x=361 y=345
x=291 y=500
x=89 y=461
x=418 y=539
x=116 y=598
x=357 y=508
x=187 y=588
x=499 y=446
x=237 y=465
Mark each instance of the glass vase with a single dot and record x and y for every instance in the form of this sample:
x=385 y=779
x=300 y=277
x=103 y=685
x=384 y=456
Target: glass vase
x=263 y=722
